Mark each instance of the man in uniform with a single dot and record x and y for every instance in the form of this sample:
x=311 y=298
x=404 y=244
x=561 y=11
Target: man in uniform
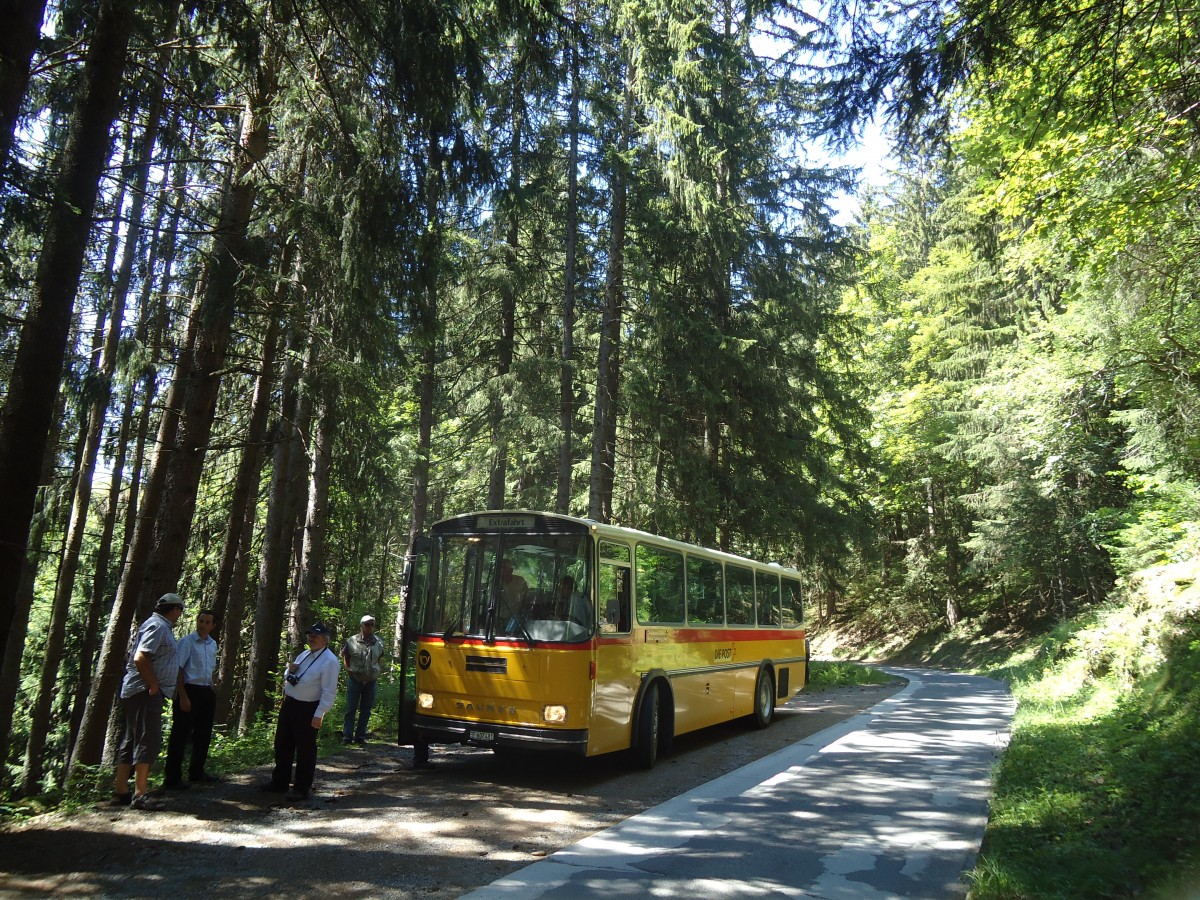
x=309 y=692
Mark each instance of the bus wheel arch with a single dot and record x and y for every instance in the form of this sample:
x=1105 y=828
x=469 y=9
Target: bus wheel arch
x=654 y=721
x=764 y=696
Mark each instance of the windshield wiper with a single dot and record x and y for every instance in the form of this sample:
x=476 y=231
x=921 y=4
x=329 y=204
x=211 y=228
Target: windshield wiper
x=525 y=631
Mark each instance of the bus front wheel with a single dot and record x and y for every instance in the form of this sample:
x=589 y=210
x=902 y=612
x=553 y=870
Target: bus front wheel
x=764 y=699
x=646 y=751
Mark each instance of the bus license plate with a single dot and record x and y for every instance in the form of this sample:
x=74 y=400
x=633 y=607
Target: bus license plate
x=482 y=736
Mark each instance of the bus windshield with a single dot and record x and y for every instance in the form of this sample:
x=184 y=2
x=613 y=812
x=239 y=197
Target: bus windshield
x=531 y=587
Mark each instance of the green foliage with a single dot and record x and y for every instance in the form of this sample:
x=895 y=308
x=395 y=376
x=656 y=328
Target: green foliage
x=843 y=674
x=1097 y=793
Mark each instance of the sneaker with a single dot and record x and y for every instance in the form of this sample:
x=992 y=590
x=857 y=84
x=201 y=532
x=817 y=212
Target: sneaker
x=272 y=787
x=362 y=742
x=144 y=802
x=175 y=785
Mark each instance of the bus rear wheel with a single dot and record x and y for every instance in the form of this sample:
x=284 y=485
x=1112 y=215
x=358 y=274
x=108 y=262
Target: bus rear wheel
x=646 y=751
x=764 y=699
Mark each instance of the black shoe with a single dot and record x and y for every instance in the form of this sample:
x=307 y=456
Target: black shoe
x=121 y=799
x=422 y=764
x=296 y=795
x=175 y=785
x=204 y=778
x=362 y=742
x=272 y=787
x=144 y=802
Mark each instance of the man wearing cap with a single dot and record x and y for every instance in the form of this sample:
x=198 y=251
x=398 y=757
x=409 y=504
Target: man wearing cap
x=151 y=672
x=194 y=707
x=360 y=655
x=308 y=694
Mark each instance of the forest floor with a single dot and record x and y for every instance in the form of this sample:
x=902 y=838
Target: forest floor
x=374 y=826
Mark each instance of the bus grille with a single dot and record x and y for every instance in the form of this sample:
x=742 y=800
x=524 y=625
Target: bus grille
x=496 y=665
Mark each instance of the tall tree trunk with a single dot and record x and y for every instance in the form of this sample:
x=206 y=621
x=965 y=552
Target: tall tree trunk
x=18 y=41
x=287 y=475
x=55 y=638
x=250 y=465
x=203 y=377
x=94 y=724
x=163 y=247
x=608 y=365
x=156 y=555
x=508 y=305
x=33 y=384
x=10 y=669
x=427 y=333
x=230 y=604
x=94 y=728
x=316 y=520
x=566 y=388
x=100 y=576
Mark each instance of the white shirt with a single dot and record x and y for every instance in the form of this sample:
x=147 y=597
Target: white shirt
x=318 y=673
x=198 y=659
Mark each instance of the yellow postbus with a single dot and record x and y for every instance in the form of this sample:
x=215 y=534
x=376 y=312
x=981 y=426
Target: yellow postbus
x=536 y=630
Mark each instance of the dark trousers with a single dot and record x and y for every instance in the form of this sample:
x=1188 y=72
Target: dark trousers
x=195 y=728
x=295 y=742
x=360 y=699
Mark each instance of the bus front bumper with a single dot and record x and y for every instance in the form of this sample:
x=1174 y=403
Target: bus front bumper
x=435 y=730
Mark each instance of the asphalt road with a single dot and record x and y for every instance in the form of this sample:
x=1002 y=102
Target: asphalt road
x=889 y=803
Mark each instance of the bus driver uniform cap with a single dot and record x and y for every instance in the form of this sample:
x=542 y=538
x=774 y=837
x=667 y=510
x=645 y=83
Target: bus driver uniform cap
x=319 y=628
x=365 y=619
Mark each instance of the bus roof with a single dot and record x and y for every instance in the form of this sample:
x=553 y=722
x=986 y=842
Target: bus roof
x=601 y=530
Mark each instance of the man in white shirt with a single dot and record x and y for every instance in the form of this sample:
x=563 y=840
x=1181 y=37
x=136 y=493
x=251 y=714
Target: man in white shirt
x=194 y=707
x=308 y=694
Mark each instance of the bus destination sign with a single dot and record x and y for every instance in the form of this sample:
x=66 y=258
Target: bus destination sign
x=505 y=522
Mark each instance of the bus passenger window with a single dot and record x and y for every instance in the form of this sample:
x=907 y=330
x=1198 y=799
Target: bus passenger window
x=739 y=595
x=793 y=604
x=614 y=598
x=705 y=592
x=659 y=585
x=767 y=597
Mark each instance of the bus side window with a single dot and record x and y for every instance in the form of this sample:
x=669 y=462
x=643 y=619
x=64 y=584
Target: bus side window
x=614 y=598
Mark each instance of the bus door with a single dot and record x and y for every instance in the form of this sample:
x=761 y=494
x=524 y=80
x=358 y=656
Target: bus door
x=416 y=589
x=617 y=679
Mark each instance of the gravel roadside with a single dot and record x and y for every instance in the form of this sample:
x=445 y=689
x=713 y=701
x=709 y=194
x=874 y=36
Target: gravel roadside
x=375 y=827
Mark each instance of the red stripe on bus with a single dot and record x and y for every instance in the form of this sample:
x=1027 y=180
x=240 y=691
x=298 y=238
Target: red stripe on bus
x=680 y=635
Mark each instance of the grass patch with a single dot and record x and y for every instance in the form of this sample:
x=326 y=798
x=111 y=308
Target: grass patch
x=844 y=674
x=1099 y=792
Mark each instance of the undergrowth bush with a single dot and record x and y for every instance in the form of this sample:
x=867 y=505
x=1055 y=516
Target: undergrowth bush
x=1098 y=794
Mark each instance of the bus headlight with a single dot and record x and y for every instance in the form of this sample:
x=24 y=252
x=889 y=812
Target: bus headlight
x=424 y=700
x=554 y=715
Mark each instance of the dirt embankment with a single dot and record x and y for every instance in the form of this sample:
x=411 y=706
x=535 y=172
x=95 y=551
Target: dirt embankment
x=377 y=828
